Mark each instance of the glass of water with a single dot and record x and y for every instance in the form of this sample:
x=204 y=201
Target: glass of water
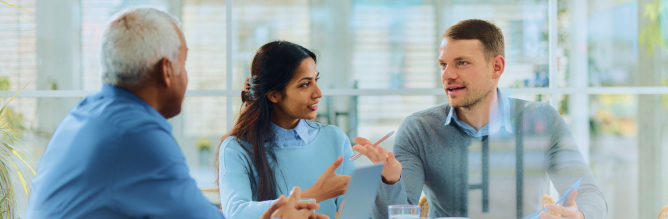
x=403 y=212
x=307 y=200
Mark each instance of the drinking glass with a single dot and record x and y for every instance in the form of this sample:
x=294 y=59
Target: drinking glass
x=307 y=200
x=403 y=212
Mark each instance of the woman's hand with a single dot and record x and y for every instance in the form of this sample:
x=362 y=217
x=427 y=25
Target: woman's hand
x=291 y=208
x=329 y=185
x=377 y=154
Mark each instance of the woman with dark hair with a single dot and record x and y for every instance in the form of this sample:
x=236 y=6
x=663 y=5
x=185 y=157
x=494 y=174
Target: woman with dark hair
x=274 y=147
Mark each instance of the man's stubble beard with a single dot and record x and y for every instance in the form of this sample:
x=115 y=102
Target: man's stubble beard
x=475 y=100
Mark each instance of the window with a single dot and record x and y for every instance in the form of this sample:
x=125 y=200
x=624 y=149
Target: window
x=393 y=48
x=204 y=29
x=600 y=63
x=18 y=59
x=94 y=15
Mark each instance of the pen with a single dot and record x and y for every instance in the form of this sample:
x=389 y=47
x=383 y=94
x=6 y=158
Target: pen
x=354 y=157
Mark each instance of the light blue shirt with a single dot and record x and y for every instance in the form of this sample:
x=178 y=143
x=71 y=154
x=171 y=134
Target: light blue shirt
x=113 y=156
x=304 y=154
x=301 y=135
x=502 y=119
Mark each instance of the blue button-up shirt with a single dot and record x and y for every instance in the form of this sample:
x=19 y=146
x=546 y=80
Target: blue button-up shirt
x=500 y=119
x=113 y=156
x=301 y=135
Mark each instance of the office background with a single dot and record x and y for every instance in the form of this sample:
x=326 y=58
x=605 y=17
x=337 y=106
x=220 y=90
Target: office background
x=602 y=63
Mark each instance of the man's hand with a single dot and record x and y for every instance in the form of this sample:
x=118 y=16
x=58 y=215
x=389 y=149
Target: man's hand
x=570 y=211
x=292 y=208
x=329 y=184
x=377 y=154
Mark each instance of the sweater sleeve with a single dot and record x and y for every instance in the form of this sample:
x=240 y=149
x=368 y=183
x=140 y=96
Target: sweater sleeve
x=236 y=196
x=408 y=189
x=565 y=165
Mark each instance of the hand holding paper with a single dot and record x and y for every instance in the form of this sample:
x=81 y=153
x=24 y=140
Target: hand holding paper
x=570 y=210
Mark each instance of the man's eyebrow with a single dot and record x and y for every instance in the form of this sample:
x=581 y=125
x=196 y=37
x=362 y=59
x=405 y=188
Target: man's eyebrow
x=456 y=59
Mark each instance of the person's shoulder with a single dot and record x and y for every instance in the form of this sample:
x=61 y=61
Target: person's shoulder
x=326 y=129
x=232 y=148
x=93 y=114
x=534 y=110
x=532 y=107
x=433 y=114
x=127 y=115
x=232 y=143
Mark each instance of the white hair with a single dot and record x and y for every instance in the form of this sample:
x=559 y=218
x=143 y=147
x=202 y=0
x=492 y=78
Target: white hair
x=133 y=42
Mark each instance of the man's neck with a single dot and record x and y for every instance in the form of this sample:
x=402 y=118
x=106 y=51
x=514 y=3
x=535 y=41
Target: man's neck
x=478 y=115
x=150 y=96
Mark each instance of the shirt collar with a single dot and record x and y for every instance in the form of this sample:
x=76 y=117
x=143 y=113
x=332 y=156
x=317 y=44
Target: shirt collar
x=504 y=105
x=301 y=131
x=117 y=92
x=503 y=119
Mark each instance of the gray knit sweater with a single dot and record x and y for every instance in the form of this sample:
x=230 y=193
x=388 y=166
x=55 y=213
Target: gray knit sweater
x=462 y=176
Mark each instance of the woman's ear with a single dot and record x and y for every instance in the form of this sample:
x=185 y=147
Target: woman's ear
x=274 y=96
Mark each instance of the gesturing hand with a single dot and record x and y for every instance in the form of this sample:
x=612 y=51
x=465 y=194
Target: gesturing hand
x=570 y=211
x=329 y=185
x=377 y=154
x=291 y=208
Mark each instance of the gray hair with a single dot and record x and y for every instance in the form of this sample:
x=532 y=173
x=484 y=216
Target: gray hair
x=133 y=42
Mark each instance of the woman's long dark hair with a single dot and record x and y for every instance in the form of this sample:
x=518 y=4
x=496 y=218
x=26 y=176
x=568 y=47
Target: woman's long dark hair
x=272 y=68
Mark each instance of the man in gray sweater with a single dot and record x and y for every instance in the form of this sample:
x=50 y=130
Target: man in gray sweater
x=483 y=155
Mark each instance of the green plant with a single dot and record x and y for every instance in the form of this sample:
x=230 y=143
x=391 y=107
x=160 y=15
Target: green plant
x=651 y=35
x=654 y=34
x=12 y=159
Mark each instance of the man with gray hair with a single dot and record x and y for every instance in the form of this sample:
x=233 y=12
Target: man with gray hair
x=113 y=155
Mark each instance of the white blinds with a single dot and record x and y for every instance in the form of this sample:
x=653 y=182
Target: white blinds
x=18 y=56
x=255 y=23
x=259 y=21
x=393 y=47
x=204 y=29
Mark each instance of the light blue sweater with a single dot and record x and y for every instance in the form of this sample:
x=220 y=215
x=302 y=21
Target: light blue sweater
x=297 y=166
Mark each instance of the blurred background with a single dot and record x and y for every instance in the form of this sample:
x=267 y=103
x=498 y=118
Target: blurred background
x=602 y=63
